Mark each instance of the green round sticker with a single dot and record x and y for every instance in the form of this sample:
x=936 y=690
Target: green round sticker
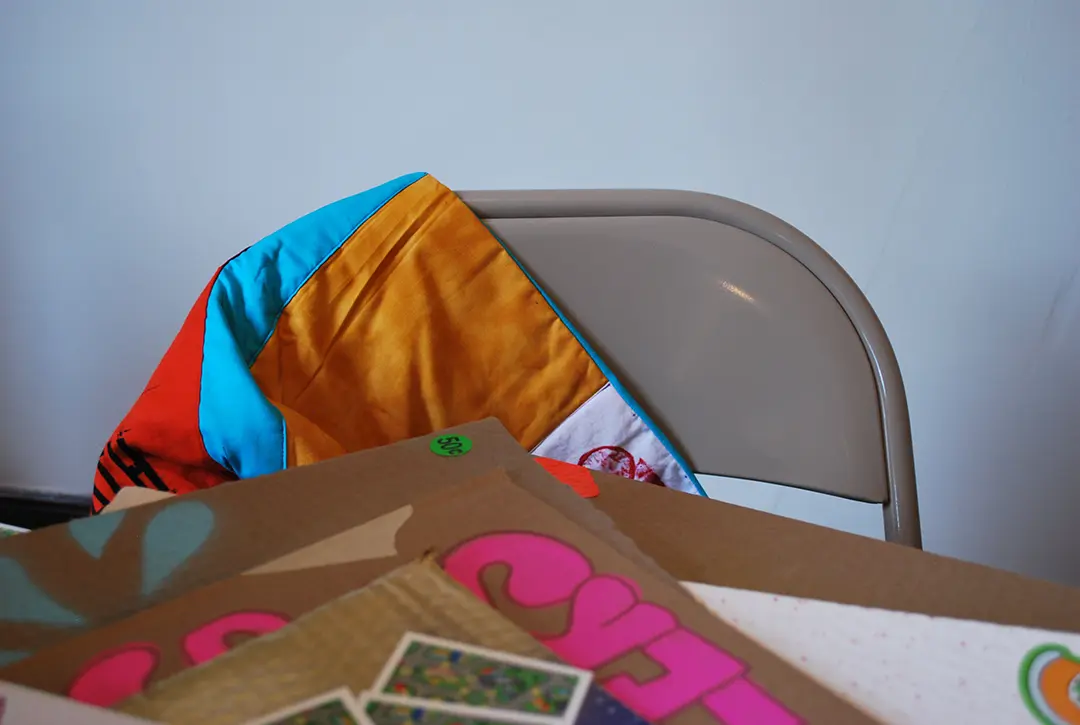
x=453 y=445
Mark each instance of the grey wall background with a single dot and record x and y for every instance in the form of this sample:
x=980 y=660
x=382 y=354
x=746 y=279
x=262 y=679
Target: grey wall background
x=931 y=147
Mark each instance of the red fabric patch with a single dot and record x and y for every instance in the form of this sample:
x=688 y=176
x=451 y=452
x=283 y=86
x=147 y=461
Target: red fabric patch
x=575 y=477
x=159 y=444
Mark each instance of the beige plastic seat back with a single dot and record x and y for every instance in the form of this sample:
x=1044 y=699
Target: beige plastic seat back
x=748 y=345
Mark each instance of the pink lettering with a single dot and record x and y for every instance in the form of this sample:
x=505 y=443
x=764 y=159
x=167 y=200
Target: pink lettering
x=208 y=641
x=606 y=621
x=115 y=675
x=543 y=571
x=741 y=702
x=694 y=666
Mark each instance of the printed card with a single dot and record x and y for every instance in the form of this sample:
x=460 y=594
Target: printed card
x=384 y=710
x=426 y=670
x=597 y=708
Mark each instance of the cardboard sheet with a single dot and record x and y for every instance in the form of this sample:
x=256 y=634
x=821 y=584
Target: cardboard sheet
x=341 y=644
x=773 y=554
x=134 y=496
x=69 y=580
x=701 y=540
x=769 y=553
x=73 y=577
x=156 y=641
x=652 y=644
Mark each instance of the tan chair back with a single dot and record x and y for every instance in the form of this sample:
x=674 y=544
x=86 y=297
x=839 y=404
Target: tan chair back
x=748 y=345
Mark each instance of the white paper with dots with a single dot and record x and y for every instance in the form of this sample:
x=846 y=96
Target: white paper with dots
x=912 y=669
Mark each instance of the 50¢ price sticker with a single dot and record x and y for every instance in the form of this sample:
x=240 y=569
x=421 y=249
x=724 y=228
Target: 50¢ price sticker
x=451 y=445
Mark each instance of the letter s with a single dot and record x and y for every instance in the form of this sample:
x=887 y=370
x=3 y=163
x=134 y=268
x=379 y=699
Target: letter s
x=543 y=570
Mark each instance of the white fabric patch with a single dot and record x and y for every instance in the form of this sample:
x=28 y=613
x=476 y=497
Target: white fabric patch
x=604 y=434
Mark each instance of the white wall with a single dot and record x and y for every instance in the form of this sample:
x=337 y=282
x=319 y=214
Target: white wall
x=932 y=147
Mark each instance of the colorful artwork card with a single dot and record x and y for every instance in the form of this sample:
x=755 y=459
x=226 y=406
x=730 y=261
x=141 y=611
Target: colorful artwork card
x=432 y=681
x=393 y=711
x=480 y=681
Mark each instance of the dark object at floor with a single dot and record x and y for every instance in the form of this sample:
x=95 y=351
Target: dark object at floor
x=34 y=510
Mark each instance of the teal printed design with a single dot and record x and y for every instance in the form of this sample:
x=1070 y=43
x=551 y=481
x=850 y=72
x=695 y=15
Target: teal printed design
x=1035 y=698
x=11 y=656
x=171 y=538
x=23 y=601
x=93 y=532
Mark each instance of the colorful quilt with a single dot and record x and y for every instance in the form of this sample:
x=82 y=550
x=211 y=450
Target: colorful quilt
x=384 y=316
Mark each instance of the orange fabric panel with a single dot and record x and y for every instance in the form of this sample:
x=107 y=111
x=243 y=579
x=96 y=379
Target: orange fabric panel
x=419 y=322
x=305 y=442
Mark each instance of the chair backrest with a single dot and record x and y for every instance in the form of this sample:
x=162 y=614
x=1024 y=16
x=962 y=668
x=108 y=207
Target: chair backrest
x=744 y=340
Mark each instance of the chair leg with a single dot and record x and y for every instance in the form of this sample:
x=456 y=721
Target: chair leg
x=902 y=525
